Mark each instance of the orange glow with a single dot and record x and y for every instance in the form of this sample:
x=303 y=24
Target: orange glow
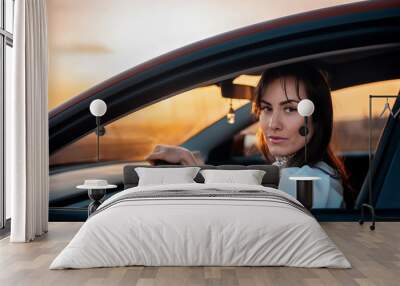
x=90 y=41
x=353 y=103
x=171 y=121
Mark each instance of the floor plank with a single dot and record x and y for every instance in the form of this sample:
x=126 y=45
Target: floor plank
x=374 y=255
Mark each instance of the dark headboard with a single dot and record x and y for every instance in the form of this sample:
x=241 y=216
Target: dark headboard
x=270 y=179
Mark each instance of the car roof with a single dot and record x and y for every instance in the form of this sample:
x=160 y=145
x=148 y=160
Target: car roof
x=346 y=40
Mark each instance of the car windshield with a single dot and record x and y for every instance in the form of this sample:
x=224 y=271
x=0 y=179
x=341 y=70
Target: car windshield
x=171 y=121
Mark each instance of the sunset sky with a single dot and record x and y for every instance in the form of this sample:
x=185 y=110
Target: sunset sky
x=93 y=40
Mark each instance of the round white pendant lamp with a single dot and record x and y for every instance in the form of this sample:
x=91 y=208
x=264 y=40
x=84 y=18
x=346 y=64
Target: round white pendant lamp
x=305 y=108
x=98 y=108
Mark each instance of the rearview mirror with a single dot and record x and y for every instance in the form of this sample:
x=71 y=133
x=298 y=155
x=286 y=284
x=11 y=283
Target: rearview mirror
x=236 y=91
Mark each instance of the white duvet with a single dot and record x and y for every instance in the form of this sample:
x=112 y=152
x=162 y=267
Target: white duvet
x=200 y=231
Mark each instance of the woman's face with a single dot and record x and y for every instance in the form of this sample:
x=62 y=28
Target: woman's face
x=279 y=119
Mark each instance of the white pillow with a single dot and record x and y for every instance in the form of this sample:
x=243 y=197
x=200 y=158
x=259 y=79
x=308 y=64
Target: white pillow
x=249 y=177
x=161 y=176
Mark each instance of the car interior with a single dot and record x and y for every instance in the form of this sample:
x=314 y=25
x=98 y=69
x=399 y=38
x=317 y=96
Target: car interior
x=221 y=142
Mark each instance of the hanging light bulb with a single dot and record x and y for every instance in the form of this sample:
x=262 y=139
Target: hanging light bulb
x=231 y=114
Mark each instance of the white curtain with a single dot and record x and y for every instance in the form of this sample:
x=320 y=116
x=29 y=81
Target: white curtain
x=27 y=124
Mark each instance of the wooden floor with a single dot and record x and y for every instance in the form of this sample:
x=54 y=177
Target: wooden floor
x=375 y=257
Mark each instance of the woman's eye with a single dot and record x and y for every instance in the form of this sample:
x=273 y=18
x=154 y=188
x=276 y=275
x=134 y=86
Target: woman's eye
x=290 y=109
x=266 y=109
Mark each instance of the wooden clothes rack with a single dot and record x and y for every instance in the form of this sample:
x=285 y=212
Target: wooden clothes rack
x=369 y=205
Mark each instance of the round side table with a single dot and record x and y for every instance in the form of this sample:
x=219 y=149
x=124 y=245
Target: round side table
x=96 y=194
x=304 y=189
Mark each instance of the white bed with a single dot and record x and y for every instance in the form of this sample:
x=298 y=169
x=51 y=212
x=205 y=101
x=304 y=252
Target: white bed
x=249 y=225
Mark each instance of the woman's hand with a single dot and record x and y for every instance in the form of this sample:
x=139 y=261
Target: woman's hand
x=173 y=154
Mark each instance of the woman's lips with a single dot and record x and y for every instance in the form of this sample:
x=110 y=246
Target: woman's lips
x=276 y=139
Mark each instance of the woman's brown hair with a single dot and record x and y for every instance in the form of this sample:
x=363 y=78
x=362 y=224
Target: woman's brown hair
x=318 y=91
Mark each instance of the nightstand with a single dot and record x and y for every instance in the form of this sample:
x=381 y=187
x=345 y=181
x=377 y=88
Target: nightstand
x=96 y=192
x=304 y=189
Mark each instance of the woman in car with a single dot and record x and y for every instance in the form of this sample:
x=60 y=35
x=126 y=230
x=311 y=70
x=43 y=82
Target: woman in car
x=280 y=137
